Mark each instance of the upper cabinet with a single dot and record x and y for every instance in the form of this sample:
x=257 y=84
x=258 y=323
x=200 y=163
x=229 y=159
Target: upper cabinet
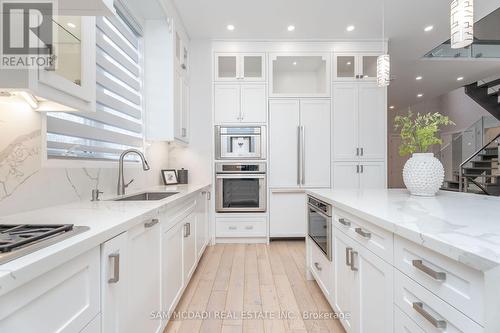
x=240 y=67
x=86 y=8
x=166 y=52
x=299 y=75
x=67 y=85
x=240 y=103
x=355 y=67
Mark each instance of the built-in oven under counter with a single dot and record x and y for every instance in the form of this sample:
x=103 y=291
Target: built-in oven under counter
x=319 y=225
x=240 y=187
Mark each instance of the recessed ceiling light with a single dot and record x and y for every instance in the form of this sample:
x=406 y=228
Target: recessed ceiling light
x=428 y=28
x=460 y=78
x=418 y=78
x=71 y=25
x=420 y=95
x=230 y=27
x=294 y=63
x=391 y=107
x=348 y=63
x=350 y=28
x=291 y=28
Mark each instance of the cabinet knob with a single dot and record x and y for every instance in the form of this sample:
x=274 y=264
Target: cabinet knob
x=317 y=265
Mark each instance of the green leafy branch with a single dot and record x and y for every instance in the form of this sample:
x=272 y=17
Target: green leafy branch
x=419 y=132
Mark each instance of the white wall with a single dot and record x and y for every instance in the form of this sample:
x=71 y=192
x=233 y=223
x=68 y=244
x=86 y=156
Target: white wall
x=456 y=104
x=197 y=156
x=26 y=185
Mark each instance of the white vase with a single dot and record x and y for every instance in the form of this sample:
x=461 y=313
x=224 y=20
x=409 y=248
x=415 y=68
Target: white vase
x=423 y=174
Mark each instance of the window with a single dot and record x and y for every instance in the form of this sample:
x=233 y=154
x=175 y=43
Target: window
x=117 y=123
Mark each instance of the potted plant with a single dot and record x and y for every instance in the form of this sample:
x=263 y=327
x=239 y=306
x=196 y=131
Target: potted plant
x=423 y=174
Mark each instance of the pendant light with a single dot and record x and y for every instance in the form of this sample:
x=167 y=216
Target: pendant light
x=384 y=60
x=462 y=23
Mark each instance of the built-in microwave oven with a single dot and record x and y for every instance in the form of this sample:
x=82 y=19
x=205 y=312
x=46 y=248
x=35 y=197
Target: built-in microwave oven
x=241 y=143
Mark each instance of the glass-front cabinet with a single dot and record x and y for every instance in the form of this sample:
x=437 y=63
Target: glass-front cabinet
x=299 y=75
x=354 y=67
x=240 y=67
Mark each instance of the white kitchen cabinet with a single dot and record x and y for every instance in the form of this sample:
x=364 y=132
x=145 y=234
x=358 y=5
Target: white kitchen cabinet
x=144 y=276
x=114 y=288
x=167 y=92
x=299 y=75
x=284 y=121
x=240 y=67
x=344 y=280
x=355 y=67
x=287 y=213
x=86 y=8
x=363 y=287
x=94 y=326
x=373 y=292
x=299 y=143
x=64 y=299
x=402 y=323
x=189 y=245
x=202 y=231
x=240 y=103
x=364 y=175
x=172 y=269
x=320 y=267
x=181 y=52
x=71 y=84
x=359 y=122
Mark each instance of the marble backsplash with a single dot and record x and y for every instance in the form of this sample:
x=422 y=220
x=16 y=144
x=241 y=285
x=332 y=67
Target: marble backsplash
x=25 y=184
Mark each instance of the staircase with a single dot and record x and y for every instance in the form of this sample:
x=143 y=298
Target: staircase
x=487 y=94
x=480 y=173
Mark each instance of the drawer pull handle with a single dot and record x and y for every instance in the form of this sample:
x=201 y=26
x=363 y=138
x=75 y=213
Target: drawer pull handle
x=345 y=222
x=439 y=276
x=232 y=228
x=318 y=267
x=151 y=223
x=116 y=267
x=363 y=233
x=419 y=307
x=348 y=251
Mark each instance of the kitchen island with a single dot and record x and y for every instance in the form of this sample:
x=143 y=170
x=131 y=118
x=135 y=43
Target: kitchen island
x=413 y=263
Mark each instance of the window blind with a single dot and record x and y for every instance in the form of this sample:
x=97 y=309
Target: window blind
x=117 y=123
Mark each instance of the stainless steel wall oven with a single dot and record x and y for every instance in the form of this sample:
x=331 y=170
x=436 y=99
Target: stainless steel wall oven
x=319 y=224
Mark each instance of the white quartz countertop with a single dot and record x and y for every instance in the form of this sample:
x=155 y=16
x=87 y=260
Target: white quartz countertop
x=461 y=226
x=106 y=219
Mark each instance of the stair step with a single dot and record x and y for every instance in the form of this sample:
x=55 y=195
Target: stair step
x=490 y=83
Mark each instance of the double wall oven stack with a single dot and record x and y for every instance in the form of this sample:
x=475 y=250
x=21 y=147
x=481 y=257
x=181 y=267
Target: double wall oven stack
x=240 y=184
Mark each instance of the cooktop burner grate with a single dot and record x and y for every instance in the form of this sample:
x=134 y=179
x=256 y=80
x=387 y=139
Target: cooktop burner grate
x=13 y=236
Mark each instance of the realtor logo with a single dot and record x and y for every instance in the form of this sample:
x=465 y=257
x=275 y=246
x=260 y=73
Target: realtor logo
x=27 y=34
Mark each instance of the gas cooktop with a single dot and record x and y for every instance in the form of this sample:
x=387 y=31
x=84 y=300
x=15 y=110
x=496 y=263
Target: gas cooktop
x=17 y=240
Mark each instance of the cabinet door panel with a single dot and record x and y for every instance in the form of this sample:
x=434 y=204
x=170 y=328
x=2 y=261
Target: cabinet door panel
x=144 y=277
x=372 y=121
x=345 y=175
x=374 y=283
x=315 y=121
x=345 y=122
x=345 y=67
x=343 y=291
x=177 y=104
x=253 y=103
x=287 y=214
x=226 y=67
x=172 y=270
x=372 y=175
x=283 y=142
x=227 y=103
x=253 y=67
x=114 y=293
x=184 y=111
x=189 y=246
x=201 y=223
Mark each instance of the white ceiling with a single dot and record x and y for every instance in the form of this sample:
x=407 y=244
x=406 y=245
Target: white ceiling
x=328 y=19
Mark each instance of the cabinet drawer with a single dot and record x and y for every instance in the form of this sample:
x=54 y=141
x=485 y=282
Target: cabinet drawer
x=240 y=227
x=455 y=283
x=321 y=268
x=427 y=310
x=63 y=300
x=374 y=238
x=403 y=323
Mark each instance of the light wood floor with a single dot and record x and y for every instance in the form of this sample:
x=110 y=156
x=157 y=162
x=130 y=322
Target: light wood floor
x=267 y=280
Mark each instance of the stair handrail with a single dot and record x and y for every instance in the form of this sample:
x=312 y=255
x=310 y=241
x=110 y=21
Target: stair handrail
x=460 y=176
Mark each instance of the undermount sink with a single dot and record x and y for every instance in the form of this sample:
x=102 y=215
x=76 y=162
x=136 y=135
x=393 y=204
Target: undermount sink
x=147 y=196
